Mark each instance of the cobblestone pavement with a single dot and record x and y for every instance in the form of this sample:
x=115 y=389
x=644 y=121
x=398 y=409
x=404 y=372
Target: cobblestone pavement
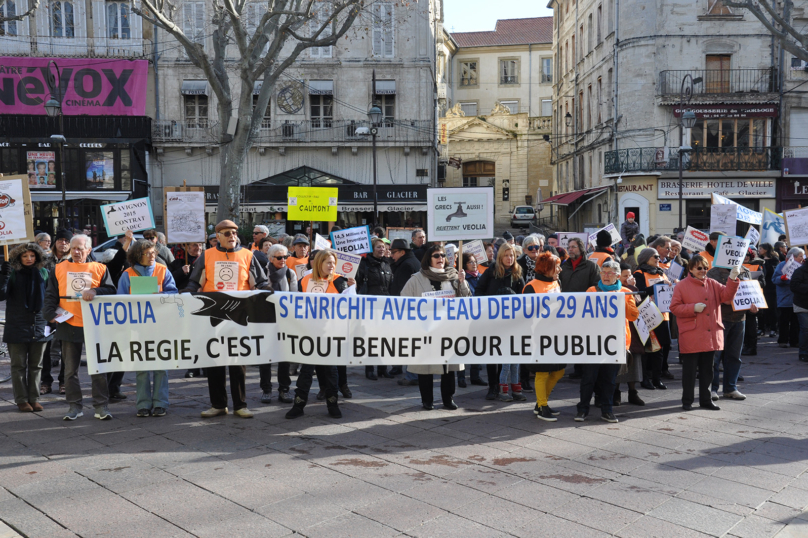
x=389 y=468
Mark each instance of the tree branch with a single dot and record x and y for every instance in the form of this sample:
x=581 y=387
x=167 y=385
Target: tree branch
x=20 y=17
x=797 y=49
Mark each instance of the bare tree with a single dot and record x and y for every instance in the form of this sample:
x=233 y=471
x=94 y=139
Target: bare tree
x=15 y=17
x=263 y=54
x=777 y=22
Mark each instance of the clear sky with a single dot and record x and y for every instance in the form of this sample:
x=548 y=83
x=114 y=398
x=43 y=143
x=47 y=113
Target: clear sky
x=482 y=15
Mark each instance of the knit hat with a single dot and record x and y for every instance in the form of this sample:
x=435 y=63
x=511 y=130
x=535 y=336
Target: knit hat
x=507 y=236
x=630 y=215
x=603 y=239
x=520 y=239
x=63 y=234
x=646 y=254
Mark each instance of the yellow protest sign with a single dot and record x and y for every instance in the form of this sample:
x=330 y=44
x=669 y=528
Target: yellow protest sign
x=313 y=203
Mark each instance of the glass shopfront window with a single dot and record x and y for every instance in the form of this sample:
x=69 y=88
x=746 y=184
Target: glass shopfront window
x=730 y=133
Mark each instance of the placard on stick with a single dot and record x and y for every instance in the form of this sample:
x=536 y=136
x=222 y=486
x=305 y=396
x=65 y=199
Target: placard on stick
x=16 y=212
x=313 y=204
x=354 y=240
x=749 y=293
x=564 y=238
x=184 y=210
x=612 y=232
x=465 y=213
x=730 y=251
x=131 y=215
x=723 y=218
x=796 y=226
x=695 y=240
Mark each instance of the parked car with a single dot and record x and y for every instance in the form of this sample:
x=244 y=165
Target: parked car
x=109 y=242
x=522 y=216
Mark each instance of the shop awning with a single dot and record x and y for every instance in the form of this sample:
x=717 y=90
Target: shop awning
x=194 y=87
x=567 y=198
x=385 y=87
x=321 y=87
x=56 y=196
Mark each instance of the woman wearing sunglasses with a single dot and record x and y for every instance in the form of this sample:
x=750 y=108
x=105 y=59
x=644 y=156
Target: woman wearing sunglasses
x=697 y=306
x=531 y=247
x=647 y=275
x=435 y=275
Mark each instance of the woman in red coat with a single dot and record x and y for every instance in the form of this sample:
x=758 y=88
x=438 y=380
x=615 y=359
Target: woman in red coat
x=697 y=306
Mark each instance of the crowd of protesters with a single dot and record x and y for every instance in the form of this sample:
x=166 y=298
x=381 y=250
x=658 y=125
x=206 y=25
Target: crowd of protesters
x=44 y=328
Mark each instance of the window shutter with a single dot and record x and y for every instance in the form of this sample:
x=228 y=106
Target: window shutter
x=199 y=22
x=388 y=31
x=377 y=29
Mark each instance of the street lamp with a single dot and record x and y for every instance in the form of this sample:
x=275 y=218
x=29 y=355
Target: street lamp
x=687 y=119
x=375 y=116
x=53 y=107
x=567 y=119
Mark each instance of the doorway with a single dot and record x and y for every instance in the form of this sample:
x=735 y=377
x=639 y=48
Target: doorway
x=638 y=205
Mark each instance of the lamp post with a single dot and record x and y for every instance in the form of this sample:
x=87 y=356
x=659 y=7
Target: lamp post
x=687 y=119
x=53 y=107
x=375 y=115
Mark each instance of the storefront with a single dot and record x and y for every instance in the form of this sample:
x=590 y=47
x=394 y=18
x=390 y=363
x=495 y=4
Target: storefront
x=792 y=193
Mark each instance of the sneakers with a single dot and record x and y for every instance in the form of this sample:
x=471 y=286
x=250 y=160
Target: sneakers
x=243 y=413
x=102 y=413
x=346 y=392
x=544 y=413
x=266 y=397
x=580 y=416
x=714 y=396
x=503 y=393
x=734 y=395
x=333 y=407
x=159 y=412
x=74 y=412
x=553 y=411
x=213 y=412
x=284 y=397
x=142 y=413
x=516 y=392
x=609 y=417
x=297 y=409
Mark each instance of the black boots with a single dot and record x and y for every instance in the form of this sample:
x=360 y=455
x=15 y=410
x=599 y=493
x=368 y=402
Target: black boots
x=297 y=409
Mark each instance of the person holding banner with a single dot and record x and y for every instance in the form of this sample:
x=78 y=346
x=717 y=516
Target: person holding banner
x=696 y=303
x=70 y=280
x=789 y=330
x=709 y=251
x=603 y=248
x=647 y=275
x=322 y=279
x=22 y=287
x=578 y=275
x=227 y=267
x=300 y=253
x=436 y=277
x=152 y=387
x=768 y=316
x=374 y=277
x=755 y=265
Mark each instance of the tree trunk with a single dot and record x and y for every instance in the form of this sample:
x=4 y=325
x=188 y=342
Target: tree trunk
x=232 y=159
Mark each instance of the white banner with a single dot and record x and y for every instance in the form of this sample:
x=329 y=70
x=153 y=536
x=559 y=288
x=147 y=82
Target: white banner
x=722 y=219
x=774 y=225
x=797 y=226
x=353 y=240
x=730 y=251
x=564 y=238
x=753 y=235
x=612 y=231
x=185 y=217
x=695 y=240
x=460 y=213
x=131 y=215
x=200 y=330
x=748 y=294
x=663 y=296
x=791 y=266
x=743 y=214
x=320 y=242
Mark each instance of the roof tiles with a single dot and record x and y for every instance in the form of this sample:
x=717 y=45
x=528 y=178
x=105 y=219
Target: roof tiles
x=509 y=32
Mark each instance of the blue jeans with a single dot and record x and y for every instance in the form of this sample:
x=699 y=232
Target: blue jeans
x=803 y=319
x=730 y=355
x=509 y=374
x=149 y=397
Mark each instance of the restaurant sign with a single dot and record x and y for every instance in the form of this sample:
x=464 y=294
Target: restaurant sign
x=709 y=112
x=729 y=188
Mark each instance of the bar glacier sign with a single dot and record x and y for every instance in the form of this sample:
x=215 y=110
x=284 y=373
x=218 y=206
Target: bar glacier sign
x=94 y=87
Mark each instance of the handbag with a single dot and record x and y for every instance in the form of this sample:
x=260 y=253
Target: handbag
x=652 y=345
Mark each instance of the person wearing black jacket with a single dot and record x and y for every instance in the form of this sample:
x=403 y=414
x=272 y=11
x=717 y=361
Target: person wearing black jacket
x=181 y=269
x=578 y=275
x=504 y=278
x=767 y=317
x=799 y=287
x=374 y=278
x=648 y=274
x=404 y=265
x=750 y=335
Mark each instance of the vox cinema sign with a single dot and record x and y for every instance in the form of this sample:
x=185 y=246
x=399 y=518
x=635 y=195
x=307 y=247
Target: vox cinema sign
x=95 y=87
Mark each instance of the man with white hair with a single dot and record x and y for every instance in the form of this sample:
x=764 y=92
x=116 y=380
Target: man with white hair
x=81 y=280
x=259 y=232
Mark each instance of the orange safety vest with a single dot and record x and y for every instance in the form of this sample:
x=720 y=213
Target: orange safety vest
x=708 y=257
x=331 y=288
x=159 y=272
x=600 y=257
x=632 y=312
x=664 y=265
x=540 y=286
x=481 y=269
x=752 y=267
x=226 y=277
x=650 y=278
x=291 y=261
x=70 y=285
x=254 y=247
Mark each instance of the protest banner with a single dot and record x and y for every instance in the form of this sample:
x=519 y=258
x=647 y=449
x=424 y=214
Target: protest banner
x=675 y=271
x=609 y=228
x=663 y=295
x=347 y=264
x=185 y=215
x=400 y=233
x=16 y=210
x=320 y=242
x=753 y=235
x=564 y=238
x=796 y=226
x=791 y=266
x=774 y=225
x=743 y=214
x=642 y=330
x=164 y=332
x=650 y=315
x=749 y=293
x=315 y=204
x=352 y=240
x=131 y=215
x=460 y=213
x=730 y=251
x=722 y=219
x=476 y=249
x=695 y=240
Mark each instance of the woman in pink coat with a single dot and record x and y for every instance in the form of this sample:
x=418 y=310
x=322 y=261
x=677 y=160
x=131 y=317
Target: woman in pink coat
x=697 y=306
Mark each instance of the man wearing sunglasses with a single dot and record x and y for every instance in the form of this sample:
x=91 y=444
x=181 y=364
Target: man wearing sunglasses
x=259 y=232
x=228 y=267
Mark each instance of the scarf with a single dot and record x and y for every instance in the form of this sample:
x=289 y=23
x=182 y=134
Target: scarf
x=645 y=268
x=613 y=287
x=709 y=249
x=446 y=277
x=473 y=274
x=531 y=269
x=30 y=282
x=575 y=262
x=278 y=277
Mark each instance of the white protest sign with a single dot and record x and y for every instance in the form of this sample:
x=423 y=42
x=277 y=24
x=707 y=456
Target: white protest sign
x=15 y=217
x=564 y=238
x=185 y=217
x=451 y=254
x=796 y=226
x=460 y=213
x=695 y=240
x=320 y=242
x=730 y=251
x=663 y=295
x=753 y=235
x=300 y=270
x=316 y=286
x=642 y=330
x=225 y=275
x=675 y=271
x=650 y=314
x=612 y=231
x=722 y=219
x=134 y=215
x=352 y=240
x=347 y=264
x=749 y=293
x=791 y=266
x=476 y=249
x=743 y=214
x=438 y=294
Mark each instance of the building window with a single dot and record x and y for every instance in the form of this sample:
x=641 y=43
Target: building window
x=322 y=111
x=599 y=103
x=383 y=30
x=468 y=73
x=266 y=121
x=573 y=54
x=62 y=20
x=319 y=20
x=513 y=106
x=388 y=105
x=590 y=39
x=589 y=107
x=717 y=76
x=717 y=7
x=547 y=70
x=469 y=181
x=7 y=10
x=729 y=133
x=118 y=20
x=255 y=12
x=193 y=21
x=508 y=70
x=469 y=109
x=566 y=52
x=580 y=55
x=546 y=107
x=196 y=111
x=600 y=23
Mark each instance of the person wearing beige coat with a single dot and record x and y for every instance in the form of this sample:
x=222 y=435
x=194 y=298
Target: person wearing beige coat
x=435 y=276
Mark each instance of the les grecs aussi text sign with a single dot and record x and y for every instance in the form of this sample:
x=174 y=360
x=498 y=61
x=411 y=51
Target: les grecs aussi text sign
x=202 y=330
x=729 y=188
x=94 y=87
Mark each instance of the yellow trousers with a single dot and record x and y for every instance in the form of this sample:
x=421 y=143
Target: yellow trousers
x=544 y=384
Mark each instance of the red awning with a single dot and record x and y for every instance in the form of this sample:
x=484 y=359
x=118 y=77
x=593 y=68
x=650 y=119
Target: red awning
x=567 y=198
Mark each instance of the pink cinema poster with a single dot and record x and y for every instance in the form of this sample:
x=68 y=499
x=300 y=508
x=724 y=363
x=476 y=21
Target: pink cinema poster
x=95 y=87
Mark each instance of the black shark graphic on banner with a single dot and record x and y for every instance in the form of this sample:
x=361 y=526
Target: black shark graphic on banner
x=221 y=307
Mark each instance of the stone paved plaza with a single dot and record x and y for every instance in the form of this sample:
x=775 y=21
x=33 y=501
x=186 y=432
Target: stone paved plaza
x=389 y=468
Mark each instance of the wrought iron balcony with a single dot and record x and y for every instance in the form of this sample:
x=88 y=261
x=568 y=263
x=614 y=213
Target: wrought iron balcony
x=720 y=81
x=699 y=160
